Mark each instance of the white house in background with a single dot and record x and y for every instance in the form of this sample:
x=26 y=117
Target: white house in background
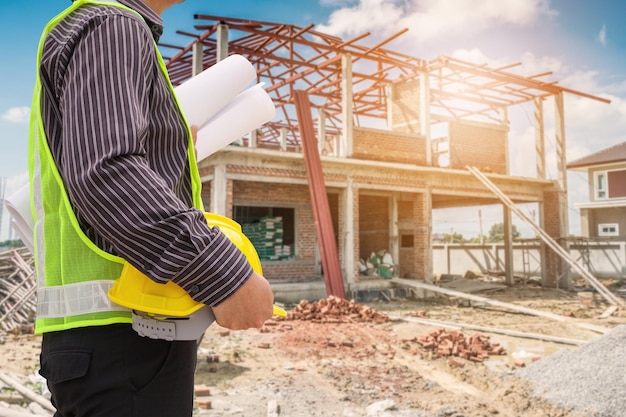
x=605 y=213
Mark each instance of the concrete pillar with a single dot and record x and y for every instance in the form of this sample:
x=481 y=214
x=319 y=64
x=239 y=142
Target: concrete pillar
x=347 y=106
x=283 y=138
x=252 y=143
x=321 y=130
x=394 y=232
x=504 y=121
x=197 y=53
x=219 y=190
x=422 y=221
x=509 y=268
x=424 y=114
x=561 y=161
x=540 y=147
x=390 y=98
x=221 y=50
x=350 y=221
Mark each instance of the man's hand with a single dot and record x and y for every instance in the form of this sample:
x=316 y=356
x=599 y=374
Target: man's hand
x=250 y=306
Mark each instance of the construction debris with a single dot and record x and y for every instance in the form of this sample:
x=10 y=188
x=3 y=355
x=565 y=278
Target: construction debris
x=444 y=343
x=27 y=399
x=335 y=310
x=18 y=289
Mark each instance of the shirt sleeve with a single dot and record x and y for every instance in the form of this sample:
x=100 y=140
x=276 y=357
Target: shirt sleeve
x=117 y=194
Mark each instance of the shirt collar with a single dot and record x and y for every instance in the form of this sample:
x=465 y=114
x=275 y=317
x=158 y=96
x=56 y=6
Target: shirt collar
x=152 y=18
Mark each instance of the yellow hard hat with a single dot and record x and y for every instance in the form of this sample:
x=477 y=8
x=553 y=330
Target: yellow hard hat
x=137 y=291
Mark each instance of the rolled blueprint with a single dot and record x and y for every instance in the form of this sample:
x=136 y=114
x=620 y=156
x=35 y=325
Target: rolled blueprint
x=18 y=206
x=244 y=113
x=213 y=100
x=202 y=96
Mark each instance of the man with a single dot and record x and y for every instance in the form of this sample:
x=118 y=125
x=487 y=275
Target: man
x=113 y=180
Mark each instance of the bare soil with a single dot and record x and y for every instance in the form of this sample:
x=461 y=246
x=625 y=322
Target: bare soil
x=303 y=368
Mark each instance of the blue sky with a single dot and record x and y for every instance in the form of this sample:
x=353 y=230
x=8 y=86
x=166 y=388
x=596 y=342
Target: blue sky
x=582 y=42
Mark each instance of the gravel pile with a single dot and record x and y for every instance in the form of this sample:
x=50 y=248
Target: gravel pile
x=591 y=379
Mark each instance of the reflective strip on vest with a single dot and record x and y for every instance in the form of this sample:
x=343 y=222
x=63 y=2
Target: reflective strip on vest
x=75 y=299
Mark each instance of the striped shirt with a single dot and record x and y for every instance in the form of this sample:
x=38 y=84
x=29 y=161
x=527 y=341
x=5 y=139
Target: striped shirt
x=120 y=144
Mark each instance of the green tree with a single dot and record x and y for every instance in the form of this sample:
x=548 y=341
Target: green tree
x=454 y=238
x=496 y=233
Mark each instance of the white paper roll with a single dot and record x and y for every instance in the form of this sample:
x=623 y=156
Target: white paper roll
x=25 y=234
x=18 y=206
x=244 y=113
x=202 y=96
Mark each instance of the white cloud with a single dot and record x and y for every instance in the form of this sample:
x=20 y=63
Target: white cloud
x=429 y=19
x=602 y=35
x=17 y=115
x=380 y=16
x=335 y=3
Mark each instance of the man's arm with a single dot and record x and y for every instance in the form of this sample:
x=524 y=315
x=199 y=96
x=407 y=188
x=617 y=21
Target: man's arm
x=108 y=172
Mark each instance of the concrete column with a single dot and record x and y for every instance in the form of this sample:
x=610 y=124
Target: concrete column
x=390 y=98
x=350 y=216
x=219 y=190
x=509 y=268
x=543 y=248
x=347 y=106
x=283 y=138
x=504 y=121
x=321 y=130
x=561 y=161
x=252 y=143
x=424 y=114
x=221 y=50
x=197 y=53
x=394 y=232
x=540 y=147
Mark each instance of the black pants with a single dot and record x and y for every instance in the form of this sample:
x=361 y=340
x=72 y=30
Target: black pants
x=110 y=371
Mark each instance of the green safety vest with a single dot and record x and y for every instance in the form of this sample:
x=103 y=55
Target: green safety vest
x=73 y=274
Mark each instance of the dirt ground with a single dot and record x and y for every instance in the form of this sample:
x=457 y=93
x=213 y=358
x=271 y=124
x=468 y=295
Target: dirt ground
x=302 y=368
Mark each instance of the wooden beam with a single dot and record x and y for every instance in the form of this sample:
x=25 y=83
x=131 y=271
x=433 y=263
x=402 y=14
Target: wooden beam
x=508 y=306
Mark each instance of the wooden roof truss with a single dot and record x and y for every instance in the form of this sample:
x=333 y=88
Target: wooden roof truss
x=289 y=58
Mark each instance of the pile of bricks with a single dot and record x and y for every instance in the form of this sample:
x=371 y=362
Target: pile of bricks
x=445 y=343
x=335 y=310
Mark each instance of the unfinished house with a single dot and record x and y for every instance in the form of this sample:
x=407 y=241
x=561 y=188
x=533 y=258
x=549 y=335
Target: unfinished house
x=353 y=163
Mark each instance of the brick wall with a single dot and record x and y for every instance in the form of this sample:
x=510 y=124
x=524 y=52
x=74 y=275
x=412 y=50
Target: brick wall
x=304 y=266
x=357 y=240
x=290 y=271
x=482 y=145
x=552 y=226
x=373 y=224
x=383 y=145
x=406 y=226
x=421 y=238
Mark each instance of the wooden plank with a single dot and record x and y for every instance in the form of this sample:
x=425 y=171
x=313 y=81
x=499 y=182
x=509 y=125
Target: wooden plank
x=608 y=295
x=514 y=307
